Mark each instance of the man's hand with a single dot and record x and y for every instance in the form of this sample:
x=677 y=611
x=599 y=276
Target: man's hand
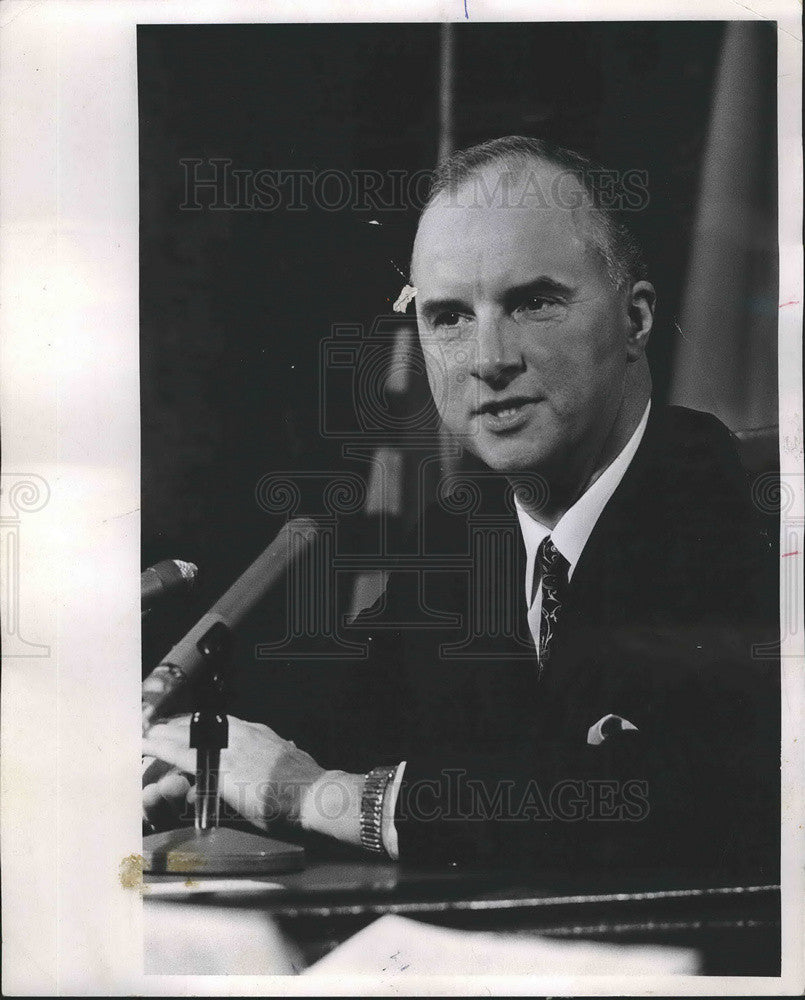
x=168 y=797
x=264 y=778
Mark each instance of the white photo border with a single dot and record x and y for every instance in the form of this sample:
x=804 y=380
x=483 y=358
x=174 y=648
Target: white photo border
x=70 y=420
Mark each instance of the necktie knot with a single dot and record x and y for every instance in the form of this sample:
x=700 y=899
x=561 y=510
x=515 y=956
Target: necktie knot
x=550 y=560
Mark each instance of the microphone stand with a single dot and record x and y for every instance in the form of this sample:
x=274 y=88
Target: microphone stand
x=210 y=849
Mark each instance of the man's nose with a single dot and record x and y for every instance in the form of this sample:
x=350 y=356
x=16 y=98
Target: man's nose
x=497 y=357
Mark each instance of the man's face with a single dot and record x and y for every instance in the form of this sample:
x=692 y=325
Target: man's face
x=524 y=334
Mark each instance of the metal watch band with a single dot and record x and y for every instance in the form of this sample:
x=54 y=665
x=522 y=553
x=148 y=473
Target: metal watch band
x=374 y=789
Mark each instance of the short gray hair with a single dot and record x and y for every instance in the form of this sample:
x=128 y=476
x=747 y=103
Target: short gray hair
x=613 y=239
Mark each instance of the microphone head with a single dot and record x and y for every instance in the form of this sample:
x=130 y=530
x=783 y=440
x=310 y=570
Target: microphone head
x=176 y=573
x=188 y=570
x=165 y=580
x=294 y=542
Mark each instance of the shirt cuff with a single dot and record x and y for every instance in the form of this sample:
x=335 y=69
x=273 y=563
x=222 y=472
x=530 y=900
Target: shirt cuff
x=388 y=829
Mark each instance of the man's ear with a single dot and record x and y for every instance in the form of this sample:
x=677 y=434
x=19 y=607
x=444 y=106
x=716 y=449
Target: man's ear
x=642 y=299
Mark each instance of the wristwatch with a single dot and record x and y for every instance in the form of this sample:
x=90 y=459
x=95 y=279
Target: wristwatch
x=374 y=789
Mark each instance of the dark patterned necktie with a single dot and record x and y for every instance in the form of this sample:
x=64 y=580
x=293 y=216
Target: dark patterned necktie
x=552 y=567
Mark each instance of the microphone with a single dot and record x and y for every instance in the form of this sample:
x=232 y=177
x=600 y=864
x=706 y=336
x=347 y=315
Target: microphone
x=168 y=577
x=187 y=660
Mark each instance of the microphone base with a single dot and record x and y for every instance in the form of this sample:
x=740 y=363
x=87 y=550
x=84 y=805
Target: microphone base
x=221 y=851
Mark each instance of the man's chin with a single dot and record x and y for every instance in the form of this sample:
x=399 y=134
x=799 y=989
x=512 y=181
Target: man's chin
x=514 y=459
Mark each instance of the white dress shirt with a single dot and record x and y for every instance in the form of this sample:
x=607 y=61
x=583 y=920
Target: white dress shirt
x=569 y=536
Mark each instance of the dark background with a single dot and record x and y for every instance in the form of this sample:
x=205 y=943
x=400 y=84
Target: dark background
x=234 y=304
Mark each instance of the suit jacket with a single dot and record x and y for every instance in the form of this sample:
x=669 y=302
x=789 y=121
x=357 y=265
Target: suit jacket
x=670 y=623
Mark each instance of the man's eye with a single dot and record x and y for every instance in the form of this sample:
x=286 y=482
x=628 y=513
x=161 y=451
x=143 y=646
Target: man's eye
x=537 y=303
x=447 y=319
x=537 y=307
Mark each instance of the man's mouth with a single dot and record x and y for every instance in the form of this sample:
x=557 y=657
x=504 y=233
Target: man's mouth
x=504 y=407
x=502 y=415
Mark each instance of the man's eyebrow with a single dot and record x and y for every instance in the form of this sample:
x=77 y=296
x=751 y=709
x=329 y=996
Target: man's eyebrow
x=512 y=295
x=537 y=286
x=432 y=307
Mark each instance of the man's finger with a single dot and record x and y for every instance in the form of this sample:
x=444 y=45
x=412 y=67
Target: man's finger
x=177 y=728
x=165 y=801
x=171 y=752
x=173 y=785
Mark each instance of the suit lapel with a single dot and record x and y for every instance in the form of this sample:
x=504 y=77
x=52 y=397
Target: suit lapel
x=624 y=537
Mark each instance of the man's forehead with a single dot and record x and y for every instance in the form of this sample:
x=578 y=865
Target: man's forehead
x=500 y=220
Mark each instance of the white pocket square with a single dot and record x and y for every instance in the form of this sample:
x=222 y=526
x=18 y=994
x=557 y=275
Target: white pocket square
x=606 y=727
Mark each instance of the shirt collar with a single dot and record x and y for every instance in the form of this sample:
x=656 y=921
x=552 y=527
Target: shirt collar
x=576 y=525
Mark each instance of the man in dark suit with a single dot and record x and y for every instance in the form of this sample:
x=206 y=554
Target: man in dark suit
x=506 y=761
x=626 y=716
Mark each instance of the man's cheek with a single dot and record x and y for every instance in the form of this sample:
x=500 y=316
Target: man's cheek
x=447 y=405
x=458 y=393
